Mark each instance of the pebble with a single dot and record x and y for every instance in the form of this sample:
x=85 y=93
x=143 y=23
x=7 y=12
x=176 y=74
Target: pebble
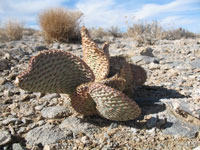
x=152 y=122
x=10 y=120
x=5 y=137
x=147 y=52
x=2 y=80
x=55 y=112
x=17 y=146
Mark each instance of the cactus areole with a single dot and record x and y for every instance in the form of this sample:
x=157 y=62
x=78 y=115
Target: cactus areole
x=95 y=84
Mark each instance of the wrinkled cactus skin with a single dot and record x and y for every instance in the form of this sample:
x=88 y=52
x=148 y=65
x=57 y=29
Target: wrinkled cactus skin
x=112 y=104
x=55 y=71
x=96 y=59
x=95 y=84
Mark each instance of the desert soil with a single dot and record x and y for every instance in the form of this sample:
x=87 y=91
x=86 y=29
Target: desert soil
x=170 y=101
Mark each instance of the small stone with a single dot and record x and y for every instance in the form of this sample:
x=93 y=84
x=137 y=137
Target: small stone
x=10 y=120
x=17 y=146
x=55 y=112
x=56 y=46
x=40 y=48
x=147 y=52
x=5 y=137
x=154 y=66
x=47 y=147
x=7 y=93
x=26 y=109
x=196 y=63
x=49 y=97
x=85 y=140
x=2 y=80
x=152 y=122
x=4 y=64
x=39 y=107
x=113 y=125
x=152 y=131
x=134 y=130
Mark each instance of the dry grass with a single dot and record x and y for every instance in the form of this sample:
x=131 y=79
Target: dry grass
x=114 y=31
x=60 y=25
x=98 y=33
x=101 y=32
x=149 y=33
x=145 y=33
x=13 y=30
x=177 y=34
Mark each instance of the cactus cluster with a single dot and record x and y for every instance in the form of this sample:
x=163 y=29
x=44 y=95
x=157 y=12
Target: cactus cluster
x=95 y=84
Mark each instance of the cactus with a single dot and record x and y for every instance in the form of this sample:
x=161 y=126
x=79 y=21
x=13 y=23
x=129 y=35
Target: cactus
x=94 y=84
x=112 y=104
x=96 y=59
x=55 y=71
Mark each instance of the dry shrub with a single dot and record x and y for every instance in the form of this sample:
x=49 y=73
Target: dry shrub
x=60 y=25
x=3 y=36
x=114 y=31
x=98 y=33
x=177 y=34
x=149 y=33
x=13 y=30
x=145 y=33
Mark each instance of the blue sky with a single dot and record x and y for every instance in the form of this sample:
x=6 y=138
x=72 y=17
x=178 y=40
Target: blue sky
x=99 y=13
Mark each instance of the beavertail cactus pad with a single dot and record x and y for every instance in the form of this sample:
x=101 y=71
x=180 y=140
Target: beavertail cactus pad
x=94 y=84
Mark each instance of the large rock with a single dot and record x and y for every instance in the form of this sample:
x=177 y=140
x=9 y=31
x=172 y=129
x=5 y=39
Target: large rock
x=187 y=108
x=47 y=134
x=180 y=118
x=180 y=128
x=77 y=125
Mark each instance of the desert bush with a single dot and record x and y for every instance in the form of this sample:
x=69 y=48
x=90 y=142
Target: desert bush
x=13 y=30
x=98 y=32
x=145 y=33
x=149 y=33
x=177 y=34
x=3 y=36
x=114 y=31
x=60 y=25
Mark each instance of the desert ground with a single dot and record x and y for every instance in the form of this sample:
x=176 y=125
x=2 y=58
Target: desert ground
x=170 y=101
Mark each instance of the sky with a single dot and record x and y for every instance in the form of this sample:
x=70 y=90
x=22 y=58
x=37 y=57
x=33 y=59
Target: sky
x=170 y=14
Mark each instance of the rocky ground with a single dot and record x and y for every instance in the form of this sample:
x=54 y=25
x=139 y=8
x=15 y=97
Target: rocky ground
x=170 y=101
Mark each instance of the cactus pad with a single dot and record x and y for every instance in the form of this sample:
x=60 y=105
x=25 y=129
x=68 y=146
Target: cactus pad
x=114 y=82
x=112 y=104
x=82 y=102
x=139 y=75
x=55 y=71
x=96 y=59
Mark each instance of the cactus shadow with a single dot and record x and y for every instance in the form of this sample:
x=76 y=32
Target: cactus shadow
x=148 y=98
x=138 y=123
